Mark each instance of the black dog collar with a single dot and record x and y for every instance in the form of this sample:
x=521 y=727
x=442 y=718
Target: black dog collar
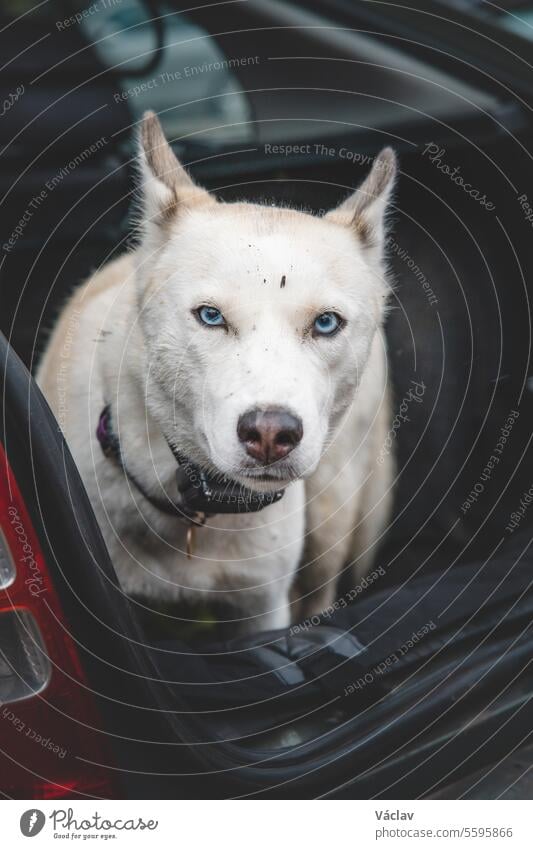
x=201 y=494
x=211 y=494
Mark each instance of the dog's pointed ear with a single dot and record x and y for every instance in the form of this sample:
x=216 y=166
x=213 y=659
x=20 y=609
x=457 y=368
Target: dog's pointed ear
x=364 y=210
x=166 y=186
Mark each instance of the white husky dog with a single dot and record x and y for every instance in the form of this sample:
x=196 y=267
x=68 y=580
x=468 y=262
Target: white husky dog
x=243 y=342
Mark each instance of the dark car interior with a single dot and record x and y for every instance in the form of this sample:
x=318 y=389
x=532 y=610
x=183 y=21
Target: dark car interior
x=159 y=702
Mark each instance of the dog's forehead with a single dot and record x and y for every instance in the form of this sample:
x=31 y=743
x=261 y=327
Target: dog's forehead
x=270 y=245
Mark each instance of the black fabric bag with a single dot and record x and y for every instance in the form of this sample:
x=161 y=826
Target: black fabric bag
x=389 y=637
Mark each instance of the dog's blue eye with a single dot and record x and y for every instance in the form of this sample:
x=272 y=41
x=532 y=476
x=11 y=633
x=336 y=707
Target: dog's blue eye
x=211 y=316
x=327 y=324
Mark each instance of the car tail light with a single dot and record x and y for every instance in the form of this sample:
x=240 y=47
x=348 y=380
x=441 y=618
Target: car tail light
x=24 y=667
x=52 y=740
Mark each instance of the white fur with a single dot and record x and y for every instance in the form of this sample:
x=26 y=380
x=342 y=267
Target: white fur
x=130 y=338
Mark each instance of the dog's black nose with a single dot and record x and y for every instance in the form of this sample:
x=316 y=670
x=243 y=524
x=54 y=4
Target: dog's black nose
x=269 y=435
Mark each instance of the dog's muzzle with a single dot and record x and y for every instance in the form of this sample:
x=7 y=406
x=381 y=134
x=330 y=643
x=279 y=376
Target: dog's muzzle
x=201 y=494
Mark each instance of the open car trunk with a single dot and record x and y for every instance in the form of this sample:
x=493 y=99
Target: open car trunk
x=415 y=677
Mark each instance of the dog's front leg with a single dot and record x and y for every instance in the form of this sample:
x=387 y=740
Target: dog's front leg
x=265 y=604
x=277 y=617
x=268 y=612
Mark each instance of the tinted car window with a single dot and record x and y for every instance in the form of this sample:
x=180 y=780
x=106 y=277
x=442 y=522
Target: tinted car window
x=170 y=65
